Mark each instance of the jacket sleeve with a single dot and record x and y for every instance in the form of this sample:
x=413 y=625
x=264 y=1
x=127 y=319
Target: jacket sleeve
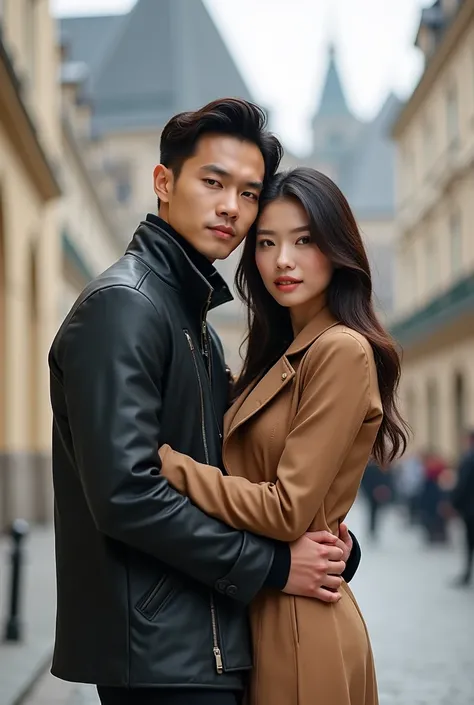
x=333 y=405
x=112 y=357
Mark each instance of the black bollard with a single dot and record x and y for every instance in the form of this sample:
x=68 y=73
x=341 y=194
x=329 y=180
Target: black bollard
x=13 y=630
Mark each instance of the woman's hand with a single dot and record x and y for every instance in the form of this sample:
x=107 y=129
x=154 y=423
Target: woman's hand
x=345 y=541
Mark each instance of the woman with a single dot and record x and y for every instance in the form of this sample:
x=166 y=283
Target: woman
x=315 y=399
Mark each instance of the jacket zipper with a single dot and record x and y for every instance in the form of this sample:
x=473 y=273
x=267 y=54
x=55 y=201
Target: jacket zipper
x=201 y=395
x=215 y=638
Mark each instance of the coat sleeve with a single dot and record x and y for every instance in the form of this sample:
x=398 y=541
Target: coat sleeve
x=334 y=402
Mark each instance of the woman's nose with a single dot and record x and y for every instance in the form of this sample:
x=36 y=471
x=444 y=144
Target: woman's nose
x=284 y=259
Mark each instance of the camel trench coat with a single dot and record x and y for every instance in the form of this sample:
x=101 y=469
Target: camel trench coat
x=295 y=447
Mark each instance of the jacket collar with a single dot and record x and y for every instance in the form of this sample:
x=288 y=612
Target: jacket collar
x=157 y=244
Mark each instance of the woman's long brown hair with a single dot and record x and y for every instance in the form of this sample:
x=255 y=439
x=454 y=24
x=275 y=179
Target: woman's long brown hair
x=349 y=295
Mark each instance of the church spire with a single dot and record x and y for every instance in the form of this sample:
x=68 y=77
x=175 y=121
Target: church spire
x=333 y=101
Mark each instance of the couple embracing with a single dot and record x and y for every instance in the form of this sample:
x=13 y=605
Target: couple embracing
x=201 y=553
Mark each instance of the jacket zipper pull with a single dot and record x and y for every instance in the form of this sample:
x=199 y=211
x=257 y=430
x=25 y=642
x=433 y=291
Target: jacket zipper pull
x=218 y=657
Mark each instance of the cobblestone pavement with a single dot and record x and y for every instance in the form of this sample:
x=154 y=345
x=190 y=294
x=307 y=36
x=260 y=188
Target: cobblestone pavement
x=422 y=630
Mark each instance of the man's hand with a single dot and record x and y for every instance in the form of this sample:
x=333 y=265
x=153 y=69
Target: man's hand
x=316 y=566
x=345 y=542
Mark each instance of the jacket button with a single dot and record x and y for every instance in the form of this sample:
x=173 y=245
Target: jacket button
x=221 y=585
x=284 y=375
x=231 y=590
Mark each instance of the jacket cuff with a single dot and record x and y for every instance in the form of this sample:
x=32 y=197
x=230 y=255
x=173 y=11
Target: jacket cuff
x=353 y=561
x=249 y=572
x=279 y=572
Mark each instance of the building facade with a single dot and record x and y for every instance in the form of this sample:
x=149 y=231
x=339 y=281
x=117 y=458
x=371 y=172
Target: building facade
x=434 y=312
x=30 y=145
x=57 y=231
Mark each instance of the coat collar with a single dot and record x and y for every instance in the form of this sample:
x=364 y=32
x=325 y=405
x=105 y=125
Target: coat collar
x=322 y=320
x=281 y=373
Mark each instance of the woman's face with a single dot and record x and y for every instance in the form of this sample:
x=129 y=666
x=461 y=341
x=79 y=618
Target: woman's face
x=293 y=268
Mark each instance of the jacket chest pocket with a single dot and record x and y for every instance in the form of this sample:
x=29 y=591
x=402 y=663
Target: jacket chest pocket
x=156 y=598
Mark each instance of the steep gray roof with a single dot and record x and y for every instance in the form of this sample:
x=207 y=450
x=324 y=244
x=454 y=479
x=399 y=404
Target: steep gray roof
x=87 y=38
x=368 y=172
x=163 y=57
x=333 y=100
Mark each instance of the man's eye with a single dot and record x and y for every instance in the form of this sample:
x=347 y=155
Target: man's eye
x=249 y=194
x=211 y=182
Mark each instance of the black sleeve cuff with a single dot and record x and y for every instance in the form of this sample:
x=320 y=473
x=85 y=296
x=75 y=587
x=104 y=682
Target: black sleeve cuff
x=353 y=561
x=280 y=569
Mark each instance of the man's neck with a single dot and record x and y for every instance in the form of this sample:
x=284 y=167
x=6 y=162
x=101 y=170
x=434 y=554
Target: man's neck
x=201 y=262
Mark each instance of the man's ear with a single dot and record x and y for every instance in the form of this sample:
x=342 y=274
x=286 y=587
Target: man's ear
x=163 y=181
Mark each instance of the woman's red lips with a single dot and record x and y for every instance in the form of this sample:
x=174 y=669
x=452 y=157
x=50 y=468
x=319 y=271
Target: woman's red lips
x=287 y=280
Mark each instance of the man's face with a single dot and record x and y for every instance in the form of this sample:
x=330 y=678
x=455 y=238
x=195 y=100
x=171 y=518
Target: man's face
x=214 y=201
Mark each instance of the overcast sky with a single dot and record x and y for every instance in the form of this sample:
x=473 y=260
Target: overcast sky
x=280 y=47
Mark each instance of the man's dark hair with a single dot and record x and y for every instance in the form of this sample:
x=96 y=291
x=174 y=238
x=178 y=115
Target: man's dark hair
x=228 y=116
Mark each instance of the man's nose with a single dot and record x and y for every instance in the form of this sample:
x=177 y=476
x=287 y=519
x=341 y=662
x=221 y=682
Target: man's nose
x=229 y=206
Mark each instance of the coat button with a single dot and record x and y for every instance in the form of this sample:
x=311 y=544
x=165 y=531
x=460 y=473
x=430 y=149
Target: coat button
x=221 y=585
x=232 y=590
x=284 y=375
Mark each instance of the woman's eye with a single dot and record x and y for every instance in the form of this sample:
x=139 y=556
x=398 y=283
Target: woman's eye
x=265 y=243
x=305 y=240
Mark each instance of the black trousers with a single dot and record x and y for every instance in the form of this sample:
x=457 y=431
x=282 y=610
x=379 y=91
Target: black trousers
x=165 y=696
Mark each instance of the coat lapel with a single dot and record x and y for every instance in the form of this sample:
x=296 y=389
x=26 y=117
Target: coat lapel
x=279 y=375
x=267 y=388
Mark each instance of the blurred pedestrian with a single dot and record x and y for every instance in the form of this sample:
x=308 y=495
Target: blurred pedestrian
x=463 y=502
x=410 y=478
x=378 y=490
x=432 y=501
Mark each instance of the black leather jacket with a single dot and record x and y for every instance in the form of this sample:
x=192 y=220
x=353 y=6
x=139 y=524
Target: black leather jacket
x=151 y=591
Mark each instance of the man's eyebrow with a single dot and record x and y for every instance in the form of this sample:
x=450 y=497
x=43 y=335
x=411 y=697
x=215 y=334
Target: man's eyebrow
x=220 y=171
x=300 y=229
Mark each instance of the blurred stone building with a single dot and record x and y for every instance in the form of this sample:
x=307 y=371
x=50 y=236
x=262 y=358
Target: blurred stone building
x=30 y=146
x=434 y=315
x=360 y=158
x=55 y=235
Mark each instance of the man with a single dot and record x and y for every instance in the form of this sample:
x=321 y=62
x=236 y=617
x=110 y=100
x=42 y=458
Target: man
x=463 y=503
x=152 y=593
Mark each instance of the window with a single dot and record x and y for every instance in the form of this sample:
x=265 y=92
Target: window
x=408 y=171
x=410 y=284
x=432 y=263
x=452 y=116
x=428 y=143
x=456 y=243
x=123 y=190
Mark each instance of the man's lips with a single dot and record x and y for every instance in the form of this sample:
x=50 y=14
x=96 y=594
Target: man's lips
x=223 y=231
